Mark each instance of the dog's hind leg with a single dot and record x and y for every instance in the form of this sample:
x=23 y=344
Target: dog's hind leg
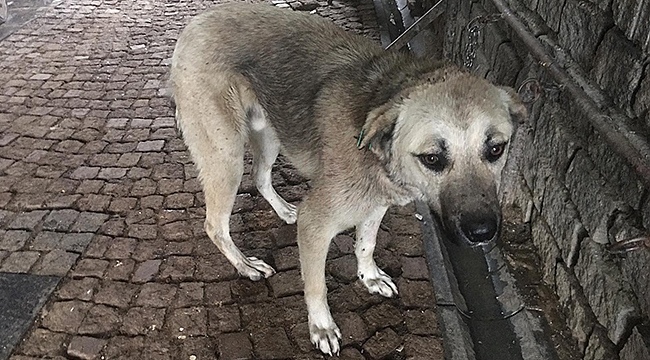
x=266 y=147
x=212 y=127
x=375 y=279
x=220 y=183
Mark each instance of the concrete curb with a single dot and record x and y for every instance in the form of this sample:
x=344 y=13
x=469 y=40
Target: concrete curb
x=456 y=336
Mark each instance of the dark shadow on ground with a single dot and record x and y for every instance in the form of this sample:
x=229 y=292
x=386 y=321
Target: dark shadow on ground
x=21 y=298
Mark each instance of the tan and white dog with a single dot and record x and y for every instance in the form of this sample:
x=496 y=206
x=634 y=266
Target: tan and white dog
x=369 y=128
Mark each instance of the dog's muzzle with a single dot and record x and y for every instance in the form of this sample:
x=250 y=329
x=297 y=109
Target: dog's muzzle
x=471 y=218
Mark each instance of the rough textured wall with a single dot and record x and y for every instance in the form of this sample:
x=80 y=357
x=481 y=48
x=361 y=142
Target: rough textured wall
x=576 y=193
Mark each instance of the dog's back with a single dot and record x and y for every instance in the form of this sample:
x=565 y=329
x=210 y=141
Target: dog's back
x=284 y=56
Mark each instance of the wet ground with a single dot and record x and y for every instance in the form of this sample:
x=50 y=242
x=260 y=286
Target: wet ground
x=522 y=259
x=99 y=196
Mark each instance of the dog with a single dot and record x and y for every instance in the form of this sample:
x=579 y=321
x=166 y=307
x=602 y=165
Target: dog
x=369 y=128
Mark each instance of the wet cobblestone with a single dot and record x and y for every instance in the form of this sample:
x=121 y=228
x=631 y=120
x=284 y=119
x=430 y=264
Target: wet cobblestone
x=96 y=186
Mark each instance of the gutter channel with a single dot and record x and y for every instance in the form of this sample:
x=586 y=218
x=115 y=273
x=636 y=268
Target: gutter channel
x=480 y=310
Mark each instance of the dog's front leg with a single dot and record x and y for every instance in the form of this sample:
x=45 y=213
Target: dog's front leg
x=314 y=236
x=375 y=279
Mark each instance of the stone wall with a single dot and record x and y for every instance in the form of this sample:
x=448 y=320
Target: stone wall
x=576 y=193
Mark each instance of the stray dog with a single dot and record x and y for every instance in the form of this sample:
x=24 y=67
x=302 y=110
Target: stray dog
x=369 y=128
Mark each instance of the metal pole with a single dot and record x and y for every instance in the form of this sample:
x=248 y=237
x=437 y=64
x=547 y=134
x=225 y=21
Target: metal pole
x=424 y=21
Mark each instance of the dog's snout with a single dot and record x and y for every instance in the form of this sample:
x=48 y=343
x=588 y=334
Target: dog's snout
x=479 y=229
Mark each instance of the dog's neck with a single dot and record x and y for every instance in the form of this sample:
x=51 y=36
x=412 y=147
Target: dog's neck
x=394 y=190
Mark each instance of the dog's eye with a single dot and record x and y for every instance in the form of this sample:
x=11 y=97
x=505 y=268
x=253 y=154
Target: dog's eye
x=494 y=152
x=434 y=162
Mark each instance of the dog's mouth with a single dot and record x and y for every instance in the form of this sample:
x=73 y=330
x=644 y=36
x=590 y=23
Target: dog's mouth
x=472 y=230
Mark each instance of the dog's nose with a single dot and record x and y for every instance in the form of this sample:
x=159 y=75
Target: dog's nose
x=479 y=229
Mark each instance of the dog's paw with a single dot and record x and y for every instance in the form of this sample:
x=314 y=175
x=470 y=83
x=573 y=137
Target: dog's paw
x=378 y=282
x=326 y=339
x=255 y=269
x=288 y=213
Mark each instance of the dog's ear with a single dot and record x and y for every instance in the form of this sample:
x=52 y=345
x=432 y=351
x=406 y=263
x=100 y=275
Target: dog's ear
x=518 y=110
x=377 y=132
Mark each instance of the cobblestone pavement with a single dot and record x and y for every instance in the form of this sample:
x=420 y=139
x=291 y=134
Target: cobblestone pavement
x=97 y=187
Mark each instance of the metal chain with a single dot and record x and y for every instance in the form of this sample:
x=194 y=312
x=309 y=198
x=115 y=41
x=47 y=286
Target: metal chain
x=473 y=29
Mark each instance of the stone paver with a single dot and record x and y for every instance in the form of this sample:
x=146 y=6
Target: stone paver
x=97 y=187
x=85 y=347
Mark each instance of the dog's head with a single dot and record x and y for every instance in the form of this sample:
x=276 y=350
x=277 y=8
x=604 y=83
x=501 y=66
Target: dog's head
x=446 y=142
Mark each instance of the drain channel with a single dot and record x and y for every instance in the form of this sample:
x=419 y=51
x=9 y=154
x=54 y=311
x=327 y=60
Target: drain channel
x=476 y=285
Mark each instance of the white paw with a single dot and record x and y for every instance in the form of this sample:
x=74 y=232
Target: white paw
x=255 y=269
x=288 y=213
x=326 y=339
x=378 y=282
